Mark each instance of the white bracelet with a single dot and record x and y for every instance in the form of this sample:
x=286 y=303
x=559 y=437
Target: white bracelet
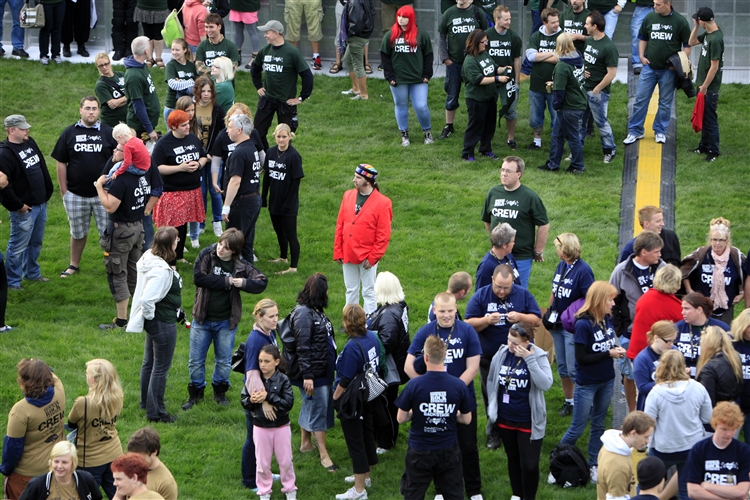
x=225 y=210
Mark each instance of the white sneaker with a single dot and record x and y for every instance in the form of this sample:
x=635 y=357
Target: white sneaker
x=438 y=497
x=292 y=495
x=349 y=92
x=276 y=477
x=631 y=138
x=660 y=138
x=405 y=139
x=351 y=494
x=265 y=497
x=609 y=157
x=195 y=243
x=217 y=228
x=428 y=139
x=569 y=157
x=514 y=497
x=350 y=479
x=380 y=451
x=476 y=497
x=551 y=479
x=594 y=472
x=255 y=257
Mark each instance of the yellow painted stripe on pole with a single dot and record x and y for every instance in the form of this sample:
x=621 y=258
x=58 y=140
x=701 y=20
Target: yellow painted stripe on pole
x=648 y=180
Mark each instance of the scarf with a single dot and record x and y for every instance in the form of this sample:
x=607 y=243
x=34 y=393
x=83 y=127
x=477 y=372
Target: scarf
x=718 y=293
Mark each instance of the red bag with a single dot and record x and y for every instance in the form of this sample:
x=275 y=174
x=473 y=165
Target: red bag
x=697 y=118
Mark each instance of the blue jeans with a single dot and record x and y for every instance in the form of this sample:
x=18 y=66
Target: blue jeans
x=567 y=127
x=452 y=85
x=639 y=14
x=589 y=402
x=537 y=102
x=201 y=336
x=418 y=94
x=103 y=477
x=148 y=231
x=25 y=244
x=208 y=187
x=710 y=133
x=161 y=339
x=565 y=352
x=598 y=108
x=16 y=33
x=610 y=20
x=524 y=271
x=677 y=459
x=248 y=455
x=646 y=85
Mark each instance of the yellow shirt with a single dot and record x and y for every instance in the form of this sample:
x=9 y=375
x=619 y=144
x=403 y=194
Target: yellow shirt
x=100 y=436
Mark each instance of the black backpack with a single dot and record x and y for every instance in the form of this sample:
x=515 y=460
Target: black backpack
x=568 y=466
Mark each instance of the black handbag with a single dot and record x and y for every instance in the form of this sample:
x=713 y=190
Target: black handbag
x=238 y=359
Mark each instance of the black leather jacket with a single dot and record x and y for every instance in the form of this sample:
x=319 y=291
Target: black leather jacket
x=311 y=329
x=391 y=323
x=279 y=394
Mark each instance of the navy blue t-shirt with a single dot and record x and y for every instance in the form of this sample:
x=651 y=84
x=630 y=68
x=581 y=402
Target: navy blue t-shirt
x=596 y=339
x=743 y=349
x=513 y=379
x=351 y=362
x=462 y=345
x=485 y=302
x=728 y=467
x=571 y=282
x=645 y=277
x=644 y=367
x=487 y=267
x=254 y=343
x=434 y=399
x=703 y=281
x=689 y=341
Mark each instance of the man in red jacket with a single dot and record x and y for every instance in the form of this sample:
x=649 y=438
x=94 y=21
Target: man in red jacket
x=363 y=230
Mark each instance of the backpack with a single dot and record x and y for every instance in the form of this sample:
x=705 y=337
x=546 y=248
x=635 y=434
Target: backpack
x=568 y=466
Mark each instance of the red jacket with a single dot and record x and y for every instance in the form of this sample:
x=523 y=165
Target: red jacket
x=653 y=306
x=365 y=235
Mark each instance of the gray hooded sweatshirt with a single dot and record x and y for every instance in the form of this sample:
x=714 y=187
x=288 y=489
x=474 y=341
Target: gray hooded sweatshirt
x=680 y=410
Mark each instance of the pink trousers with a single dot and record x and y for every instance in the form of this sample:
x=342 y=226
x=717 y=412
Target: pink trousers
x=269 y=442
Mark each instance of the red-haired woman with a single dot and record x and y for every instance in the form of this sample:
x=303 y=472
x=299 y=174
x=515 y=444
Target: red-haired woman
x=407 y=57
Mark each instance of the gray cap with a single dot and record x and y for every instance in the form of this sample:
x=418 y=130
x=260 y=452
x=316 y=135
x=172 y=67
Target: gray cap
x=17 y=121
x=272 y=26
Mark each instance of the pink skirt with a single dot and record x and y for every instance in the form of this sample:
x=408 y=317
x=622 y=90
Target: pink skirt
x=176 y=208
x=243 y=17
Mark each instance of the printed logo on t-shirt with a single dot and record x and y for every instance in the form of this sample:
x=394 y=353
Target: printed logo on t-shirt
x=402 y=46
x=218 y=271
x=572 y=26
x=516 y=378
x=505 y=213
x=141 y=192
x=488 y=68
x=274 y=64
x=714 y=466
x=496 y=51
x=274 y=168
x=603 y=342
x=29 y=157
x=547 y=45
x=79 y=147
x=707 y=276
x=661 y=31
x=437 y=411
x=184 y=154
x=590 y=54
x=453 y=353
x=463 y=25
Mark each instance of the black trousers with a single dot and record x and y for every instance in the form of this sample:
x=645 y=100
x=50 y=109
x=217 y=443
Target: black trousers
x=481 y=126
x=523 y=462
x=243 y=215
x=124 y=28
x=484 y=371
x=286 y=234
x=467 y=443
x=386 y=431
x=440 y=466
x=3 y=291
x=264 y=117
x=76 y=23
x=360 y=440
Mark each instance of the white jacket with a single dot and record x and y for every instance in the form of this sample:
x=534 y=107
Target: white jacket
x=154 y=281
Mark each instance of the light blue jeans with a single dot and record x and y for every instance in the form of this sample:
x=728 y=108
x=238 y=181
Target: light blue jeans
x=565 y=352
x=610 y=18
x=598 y=107
x=590 y=402
x=646 y=85
x=418 y=93
x=639 y=14
x=524 y=271
x=201 y=336
x=25 y=244
x=537 y=103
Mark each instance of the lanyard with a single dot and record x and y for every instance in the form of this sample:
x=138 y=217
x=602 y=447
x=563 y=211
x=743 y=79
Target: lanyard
x=450 y=333
x=568 y=268
x=510 y=372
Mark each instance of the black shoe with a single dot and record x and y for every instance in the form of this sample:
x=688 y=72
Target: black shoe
x=447 y=131
x=66 y=51
x=494 y=442
x=699 y=151
x=195 y=396
x=512 y=145
x=82 y=51
x=711 y=157
x=574 y=171
x=566 y=410
x=547 y=168
x=117 y=55
x=164 y=419
x=20 y=53
x=220 y=393
x=533 y=147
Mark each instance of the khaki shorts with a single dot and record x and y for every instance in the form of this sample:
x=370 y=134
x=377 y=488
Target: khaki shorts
x=313 y=11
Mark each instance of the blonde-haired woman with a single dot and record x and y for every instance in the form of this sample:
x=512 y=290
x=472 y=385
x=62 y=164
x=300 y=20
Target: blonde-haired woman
x=719 y=366
x=63 y=480
x=94 y=417
x=282 y=174
x=661 y=338
x=741 y=336
x=222 y=72
x=680 y=407
x=596 y=347
x=717 y=270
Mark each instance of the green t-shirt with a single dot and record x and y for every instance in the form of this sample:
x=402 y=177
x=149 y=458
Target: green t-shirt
x=281 y=66
x=503 y=49
x=570 y=79
x=487 y=6
x=522 y=209
x=457 y=24
x=602 y=5
x=139 y=85
x=445 y=5
x=598 y=55
x=225 y=95
x=107 y=89
x=219 y=307
x=535 y=4
x=408 y=62
x=166 y=309
x=666 y=35
x=472 y=72
x=541 y=72
x=207 y=51
x=573 y=23
x=178 y=71
x=712 y=49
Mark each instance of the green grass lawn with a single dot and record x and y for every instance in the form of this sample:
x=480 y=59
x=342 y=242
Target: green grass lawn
x=437 y=230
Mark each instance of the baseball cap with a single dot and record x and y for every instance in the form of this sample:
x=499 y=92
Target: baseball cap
x=704 y=14
x=17 y=121
x=272 y=26
x=651 y=471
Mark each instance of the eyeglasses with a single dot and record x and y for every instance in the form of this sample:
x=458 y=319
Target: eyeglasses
x=502 y=288
x=508 y=171
x=103 y=65
x=668 y=341
x=484 y=42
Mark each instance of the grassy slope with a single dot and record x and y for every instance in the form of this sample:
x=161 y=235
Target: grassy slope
x=436 y=230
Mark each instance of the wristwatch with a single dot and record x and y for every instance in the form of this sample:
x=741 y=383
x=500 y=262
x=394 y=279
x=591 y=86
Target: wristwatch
x=538 y=254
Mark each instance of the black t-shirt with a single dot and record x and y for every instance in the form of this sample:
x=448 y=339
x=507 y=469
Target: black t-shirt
x=282 y=174
x=173 y=151
x=223 y=146
x=133 y=191
x=30 y=190
x=86 y=151
x=219 y=306
x=244 y=162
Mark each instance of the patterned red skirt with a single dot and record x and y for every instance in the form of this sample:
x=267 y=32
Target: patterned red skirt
x=176 y=208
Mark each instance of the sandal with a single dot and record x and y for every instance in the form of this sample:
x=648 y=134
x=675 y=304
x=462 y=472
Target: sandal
x=335 y=68
x=159 y=62
x=249 y=65
x=368 y=69
x=331 y=468
x=67 y=274
x=291 y=270
x=150 y=63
